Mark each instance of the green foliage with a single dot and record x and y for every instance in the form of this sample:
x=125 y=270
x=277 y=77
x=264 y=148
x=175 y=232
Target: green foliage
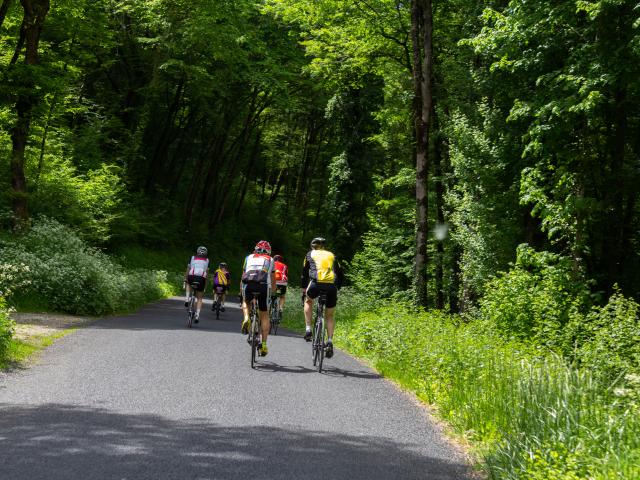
x=481 y=200
x=6 y=329
x=532 y=415
x=384 y=264
x=609 y=338
x=90 y=202
x=537 y=300
x=67 y=275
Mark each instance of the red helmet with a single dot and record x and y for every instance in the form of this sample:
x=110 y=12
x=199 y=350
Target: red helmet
x=278 y=258
x=263 y=247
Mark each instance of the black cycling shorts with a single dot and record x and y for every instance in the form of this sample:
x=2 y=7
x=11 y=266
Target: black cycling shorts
x=220 y=288
x=197 y=282
x=261 y=288
x=329 y=289
x=281 y=289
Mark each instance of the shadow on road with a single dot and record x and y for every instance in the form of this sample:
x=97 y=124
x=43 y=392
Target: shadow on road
x=67 y=442
x=274 y=367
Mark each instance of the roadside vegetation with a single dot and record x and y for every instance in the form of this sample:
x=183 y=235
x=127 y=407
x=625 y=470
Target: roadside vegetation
x=529 y=411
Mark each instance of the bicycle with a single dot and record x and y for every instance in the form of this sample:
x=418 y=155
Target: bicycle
x=217 y=303
x=191 y=305
x=275 y=315
x=254 y=329
x=319 y=342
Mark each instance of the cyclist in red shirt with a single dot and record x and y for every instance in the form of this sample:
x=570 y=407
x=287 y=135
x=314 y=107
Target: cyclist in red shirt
x=282 y=278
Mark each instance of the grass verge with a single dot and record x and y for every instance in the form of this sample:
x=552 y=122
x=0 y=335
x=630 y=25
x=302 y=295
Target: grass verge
x=526 y=412
x=19 y=351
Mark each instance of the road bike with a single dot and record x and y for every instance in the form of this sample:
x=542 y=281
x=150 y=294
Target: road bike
x=254 y=328
x=192 y=301
x=275 y=315
x=217 y=303
x=319 y=342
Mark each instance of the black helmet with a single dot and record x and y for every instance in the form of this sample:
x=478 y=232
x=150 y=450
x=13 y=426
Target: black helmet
x=202 y=251
x=223 y=265
x=278 y=258
x=318 y=242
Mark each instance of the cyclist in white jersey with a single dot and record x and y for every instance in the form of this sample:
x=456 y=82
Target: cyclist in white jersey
x=196 y=275
x=258 y=276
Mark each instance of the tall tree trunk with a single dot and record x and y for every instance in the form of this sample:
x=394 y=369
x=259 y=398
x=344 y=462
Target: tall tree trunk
x=4 y=8
x=255 y=154
x=440 y=151
x=421 y=36
x=35 y=12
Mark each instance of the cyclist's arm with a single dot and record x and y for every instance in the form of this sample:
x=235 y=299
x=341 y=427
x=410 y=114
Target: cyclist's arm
x=304 y=278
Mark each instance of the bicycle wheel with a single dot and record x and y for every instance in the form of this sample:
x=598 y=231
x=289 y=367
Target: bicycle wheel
x=322 y=343
x=253 y=337
x=191 y=311
x=315 y=344
x=276 y=321
x=217 y=309
x=273 y=317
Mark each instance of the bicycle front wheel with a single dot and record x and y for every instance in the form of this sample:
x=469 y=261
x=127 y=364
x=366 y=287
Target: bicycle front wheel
x=315 y=344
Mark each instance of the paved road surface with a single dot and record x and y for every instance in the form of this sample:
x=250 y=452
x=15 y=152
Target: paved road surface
x=142 y=397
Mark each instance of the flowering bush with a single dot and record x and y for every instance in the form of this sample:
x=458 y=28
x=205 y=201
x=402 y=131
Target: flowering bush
x=6 y=328
x=53 y=264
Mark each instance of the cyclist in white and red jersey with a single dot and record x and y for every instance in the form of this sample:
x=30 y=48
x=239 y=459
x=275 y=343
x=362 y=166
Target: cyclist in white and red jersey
x=258 y=276
x=282 y=278
x=196 y=275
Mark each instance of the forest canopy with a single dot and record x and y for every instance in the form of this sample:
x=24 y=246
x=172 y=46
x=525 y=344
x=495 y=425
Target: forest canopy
x=426 y=140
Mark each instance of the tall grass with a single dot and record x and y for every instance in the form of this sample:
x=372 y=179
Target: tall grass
x=530 y=415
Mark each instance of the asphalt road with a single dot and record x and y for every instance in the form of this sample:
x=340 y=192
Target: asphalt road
x=143 y=397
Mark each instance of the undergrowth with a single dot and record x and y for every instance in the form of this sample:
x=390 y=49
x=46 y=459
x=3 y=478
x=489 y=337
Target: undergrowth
x=530 y=414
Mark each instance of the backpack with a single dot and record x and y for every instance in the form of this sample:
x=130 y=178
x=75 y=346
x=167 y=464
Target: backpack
x=256 y=269
x=221 y=277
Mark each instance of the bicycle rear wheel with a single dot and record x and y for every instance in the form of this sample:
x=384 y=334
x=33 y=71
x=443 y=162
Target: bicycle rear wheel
x=191 y=311
x=253 y=338
x=322 y=343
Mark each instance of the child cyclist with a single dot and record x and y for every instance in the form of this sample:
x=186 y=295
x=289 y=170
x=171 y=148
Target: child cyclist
x=221 y=281
x=282 y=278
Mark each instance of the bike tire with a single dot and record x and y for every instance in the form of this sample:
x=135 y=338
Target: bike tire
x=190 y=313
x=253 y=340
x=316 y=344
x=323 y=342
x=218 y=311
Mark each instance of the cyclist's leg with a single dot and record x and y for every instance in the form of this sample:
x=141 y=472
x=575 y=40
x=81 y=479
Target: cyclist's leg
x=330 y=307
x=264 y=316
x=312 y=292
x=245 y=308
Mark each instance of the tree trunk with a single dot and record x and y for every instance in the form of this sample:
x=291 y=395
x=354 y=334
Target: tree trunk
x=440 y=149
x=35 y=12
x=421 y=36
x=4 y=8
x=255 y=154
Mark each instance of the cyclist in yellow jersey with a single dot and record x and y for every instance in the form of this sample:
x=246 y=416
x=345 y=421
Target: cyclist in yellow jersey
x=321 y=273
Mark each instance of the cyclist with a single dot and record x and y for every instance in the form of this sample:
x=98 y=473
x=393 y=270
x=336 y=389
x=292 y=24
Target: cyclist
x=258 y=276
x=282 y=278
x=196 y=274
x=221 y=281
x=321 y=273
